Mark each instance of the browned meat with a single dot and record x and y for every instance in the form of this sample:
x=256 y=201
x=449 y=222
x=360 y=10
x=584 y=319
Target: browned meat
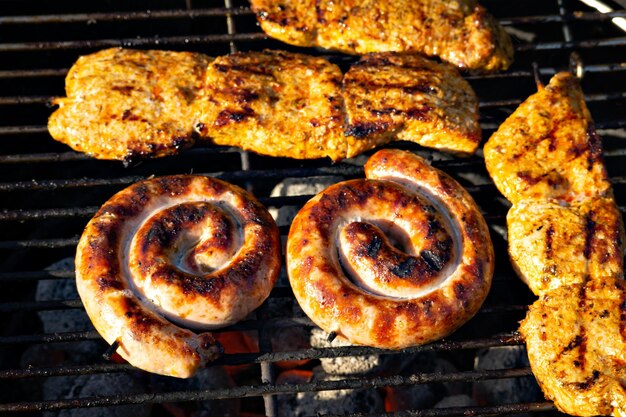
x=124 y=103
x=460 y=32
x=566 y=242
x=349 y=277
x=275 y=103
x=553 y=245
x=184 y=249
x=406 y=97
x=576 y=341
x=548 y=148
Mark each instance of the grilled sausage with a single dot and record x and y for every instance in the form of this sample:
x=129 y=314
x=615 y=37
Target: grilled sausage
x=190 y=250
x=401 y=258
x=124 y=104
x=460 y=32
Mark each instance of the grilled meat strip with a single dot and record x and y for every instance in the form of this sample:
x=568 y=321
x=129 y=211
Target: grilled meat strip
x=576 y=341
x=553 y=245
x=123 y=103
x=460 y=32
x=566 y=242
x=274 y=103
x=548 y=148
x=393 y=96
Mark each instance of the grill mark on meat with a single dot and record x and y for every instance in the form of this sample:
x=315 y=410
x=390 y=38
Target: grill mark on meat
x=361 y=130
x=226 y=116
x=622 y=316
x=586 y=384
x=590 y=231
x=549 y=237
x=595 y=147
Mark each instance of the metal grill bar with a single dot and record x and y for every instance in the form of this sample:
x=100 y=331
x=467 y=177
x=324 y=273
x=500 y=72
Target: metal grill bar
x=130 y=42
x=507 y=409
x=239 y=37
x=259 y=390
x=124 y=16
x=198 y=13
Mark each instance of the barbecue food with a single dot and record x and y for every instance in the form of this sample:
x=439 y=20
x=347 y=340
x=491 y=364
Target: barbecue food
x=548 y=148
x=415 y=249
x=124 y=103
x=460 y=32
x=406 y=97
x=553 y=245
x=576 y=342
x=192 y=250
x=274 y=103
x=566 y=242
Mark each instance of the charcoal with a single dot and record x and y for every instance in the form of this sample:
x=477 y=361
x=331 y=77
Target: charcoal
x=294 y=187
x=460 y=400
x=356 y=365
x=114 y=384
x=343 y=401
x=509 y=390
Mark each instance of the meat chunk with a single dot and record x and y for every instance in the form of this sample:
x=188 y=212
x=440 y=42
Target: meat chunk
x=552 y=245
x=548 y=148
x=124 y=103
x=576 y=339
x=392 y=96
x=460 y=32
x=274 y=103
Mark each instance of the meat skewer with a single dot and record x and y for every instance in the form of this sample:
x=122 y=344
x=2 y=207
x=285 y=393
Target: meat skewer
x=566 y=240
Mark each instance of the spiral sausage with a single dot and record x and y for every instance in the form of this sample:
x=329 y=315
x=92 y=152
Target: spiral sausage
x=187 y=249
x=401 y=258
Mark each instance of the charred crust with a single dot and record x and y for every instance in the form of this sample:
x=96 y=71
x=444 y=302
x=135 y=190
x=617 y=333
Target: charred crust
x=105 y=284
x=549 y=241
x=590 y=232
x=227 y=116
x=595 y=147
x=361 y=130
x=433 y=260
x=589 y=382
x=404 y=269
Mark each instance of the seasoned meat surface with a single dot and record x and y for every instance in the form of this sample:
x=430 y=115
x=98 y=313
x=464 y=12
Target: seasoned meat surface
x=548 y=148
x=566 y=242
x=392 y=96
x=553 y=245
x=576 y=341
x=275 y=103
x=460 y=32
x=124 y=103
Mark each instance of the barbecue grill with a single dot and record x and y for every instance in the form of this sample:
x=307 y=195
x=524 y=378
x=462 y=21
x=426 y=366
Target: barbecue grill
x=48 y=193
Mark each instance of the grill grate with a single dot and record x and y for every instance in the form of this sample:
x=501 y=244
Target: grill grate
x=48 y=193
